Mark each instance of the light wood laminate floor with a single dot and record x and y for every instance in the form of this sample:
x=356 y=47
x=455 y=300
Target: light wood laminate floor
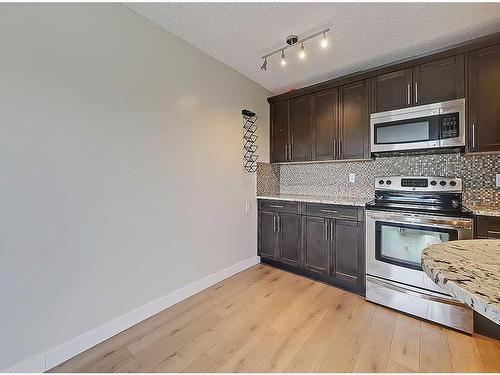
x=267 y=320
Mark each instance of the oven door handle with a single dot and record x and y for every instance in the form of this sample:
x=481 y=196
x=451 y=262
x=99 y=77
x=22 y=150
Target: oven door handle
x=429 y=221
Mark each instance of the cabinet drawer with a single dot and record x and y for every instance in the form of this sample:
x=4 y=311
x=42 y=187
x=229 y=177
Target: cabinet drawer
x=278 y=206
x=332 y=211
x=488 y=227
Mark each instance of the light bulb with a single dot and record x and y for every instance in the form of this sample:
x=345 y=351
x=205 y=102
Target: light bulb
x=283 y=58
x=324 y=42
x=302 y=52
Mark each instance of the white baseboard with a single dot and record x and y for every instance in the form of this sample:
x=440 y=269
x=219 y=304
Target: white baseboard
x=55 y=356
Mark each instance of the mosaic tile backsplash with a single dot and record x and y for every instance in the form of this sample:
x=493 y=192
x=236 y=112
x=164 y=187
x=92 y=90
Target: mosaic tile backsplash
x=478 y=174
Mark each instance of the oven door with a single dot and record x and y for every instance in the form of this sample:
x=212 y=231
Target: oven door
x=395 y=241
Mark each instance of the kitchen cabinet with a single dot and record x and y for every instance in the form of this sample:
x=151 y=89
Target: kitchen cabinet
x=279 y=131
x=267 y=235
x=325 y=135
x=301 y=112
x=321 y=241
x=391 y=91
x=348 y=254
x=279 y=231
x=439 y=81
x=487 y=227
x=289 y=230
x=354 y=121
x=316 y=244
x=432 y=82
x=484 y=99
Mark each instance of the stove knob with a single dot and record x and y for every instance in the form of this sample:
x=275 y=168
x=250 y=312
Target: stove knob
x=433 y=183
x=388 y=182
x=453 y=183
x=381 y=182
x=442 y=183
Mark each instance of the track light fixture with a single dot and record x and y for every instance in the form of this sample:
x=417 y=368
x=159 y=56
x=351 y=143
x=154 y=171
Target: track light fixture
x=283 y=58
x=264 y=65
x=292 y=40
x=302 y=52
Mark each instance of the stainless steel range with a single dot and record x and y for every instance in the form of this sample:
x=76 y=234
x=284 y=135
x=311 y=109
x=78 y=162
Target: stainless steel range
x=407 y=215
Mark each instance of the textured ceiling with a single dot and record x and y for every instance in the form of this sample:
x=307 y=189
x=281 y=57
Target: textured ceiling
x=363 y=35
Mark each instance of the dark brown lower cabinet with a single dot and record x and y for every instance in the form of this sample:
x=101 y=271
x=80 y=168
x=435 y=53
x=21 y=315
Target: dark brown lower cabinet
x=321 y=246
x=316 y=244
x=289 y=229
x=279 y=237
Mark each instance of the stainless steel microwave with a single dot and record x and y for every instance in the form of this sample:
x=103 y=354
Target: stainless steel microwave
x=431 y=126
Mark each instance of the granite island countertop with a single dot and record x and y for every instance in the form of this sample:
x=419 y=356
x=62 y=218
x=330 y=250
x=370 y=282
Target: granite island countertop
x=470 y=271
x=345 y=201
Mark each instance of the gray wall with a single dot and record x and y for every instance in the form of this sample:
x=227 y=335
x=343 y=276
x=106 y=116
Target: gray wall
x=121 y=173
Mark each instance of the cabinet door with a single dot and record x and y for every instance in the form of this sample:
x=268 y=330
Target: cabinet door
x=279 y=132
x=354 y=123
x=300 y=128
x=439 y=81
x=326 y=125
x=484 y=99
x=391 y=91
x=267 y=235
x=316 y=244
x=347 y=259
x=289 y=227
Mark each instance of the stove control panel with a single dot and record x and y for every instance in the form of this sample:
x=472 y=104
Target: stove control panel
x=414 y=183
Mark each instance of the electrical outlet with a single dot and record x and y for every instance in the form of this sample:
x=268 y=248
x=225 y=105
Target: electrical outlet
x=498 y=180
x=352 y=178
x=248 y=207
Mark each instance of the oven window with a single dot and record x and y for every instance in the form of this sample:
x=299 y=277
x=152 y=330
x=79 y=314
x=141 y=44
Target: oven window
x=402 y=133
x=402 y=244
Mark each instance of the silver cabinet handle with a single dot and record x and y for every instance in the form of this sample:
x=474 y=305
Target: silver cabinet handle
x=347 y=217
x=331 y=230
x=334 y=147
x=493 y=232
x=340 y=148
x=276 y=206
x=416 y=92
x=326 y=230
x=290 y=152
x=473 y=135
x=274 y=223
x=408 y=94
x=329 y=211
x=286 y=152
x=278 y=223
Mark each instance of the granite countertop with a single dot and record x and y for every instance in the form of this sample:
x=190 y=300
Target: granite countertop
x=484 y=210
x=345 y=201
x=470 y=271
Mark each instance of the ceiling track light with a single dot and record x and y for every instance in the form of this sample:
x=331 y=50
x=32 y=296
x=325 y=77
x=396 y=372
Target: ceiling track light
x=283 y=58
x=291 y=41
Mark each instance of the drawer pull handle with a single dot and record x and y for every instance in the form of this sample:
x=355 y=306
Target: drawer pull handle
x=493 y=232
x=330 y=211
x=276 y=206
x=348 y=217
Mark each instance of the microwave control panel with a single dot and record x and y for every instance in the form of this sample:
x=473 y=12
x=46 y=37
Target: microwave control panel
x=449 y=126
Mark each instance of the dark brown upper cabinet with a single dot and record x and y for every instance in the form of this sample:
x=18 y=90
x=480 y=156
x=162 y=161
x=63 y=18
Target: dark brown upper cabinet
x=325 y=129
x=439 y=81
x=432 y=82
x=301 y=112
x=391 y=91
x=484 y=99
x=354 y=122
x=280 y=132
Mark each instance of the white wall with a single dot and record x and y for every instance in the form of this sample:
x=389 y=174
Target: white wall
x=120 y=169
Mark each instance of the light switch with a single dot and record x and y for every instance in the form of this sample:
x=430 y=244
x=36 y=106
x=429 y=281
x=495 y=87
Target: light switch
x=248 y=207
x=498 y=180
x=352 y=177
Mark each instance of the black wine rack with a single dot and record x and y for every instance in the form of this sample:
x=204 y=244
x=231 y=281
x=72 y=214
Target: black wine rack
x=249 y=139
